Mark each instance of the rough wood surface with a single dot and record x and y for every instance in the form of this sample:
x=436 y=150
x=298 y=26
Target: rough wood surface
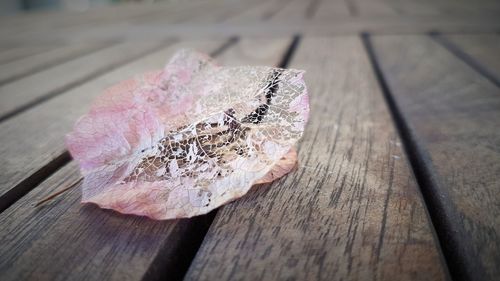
x=67 y=241
x=86 y=242
x=264 y=11
x=351 y=211
x=39 y=86
x=454 y=115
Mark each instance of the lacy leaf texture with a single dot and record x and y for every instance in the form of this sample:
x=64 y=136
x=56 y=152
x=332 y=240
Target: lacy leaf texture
x=185 y=140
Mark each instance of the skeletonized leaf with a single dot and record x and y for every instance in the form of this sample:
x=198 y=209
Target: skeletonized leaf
x=183 y=141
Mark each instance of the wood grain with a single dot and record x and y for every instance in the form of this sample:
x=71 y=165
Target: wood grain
x=87 y=243
x=65 y=240
x=453 y=114
x=351 y=211
x=42 y=85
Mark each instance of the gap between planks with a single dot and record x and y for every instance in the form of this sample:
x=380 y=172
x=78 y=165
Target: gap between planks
x=163 y=265
x=431 y=203
x=465 y=57
x=463 y=262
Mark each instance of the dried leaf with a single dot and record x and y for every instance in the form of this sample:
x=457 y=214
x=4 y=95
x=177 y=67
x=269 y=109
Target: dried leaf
x=284 y=166
x=183 y=141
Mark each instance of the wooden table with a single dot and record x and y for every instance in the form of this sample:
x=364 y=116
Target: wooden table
x=399 y=165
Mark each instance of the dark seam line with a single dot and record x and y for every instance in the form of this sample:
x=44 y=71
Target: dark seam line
x=55 y=62
x=195 y=229
x=75 y=84
x=469 y=60
x=175 y=257
x=224 y=46
x=460 y=259
x=287 y=57
x=26 y=185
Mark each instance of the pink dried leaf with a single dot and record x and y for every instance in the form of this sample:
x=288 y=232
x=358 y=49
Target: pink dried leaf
x=284 y=166
x=183 y=141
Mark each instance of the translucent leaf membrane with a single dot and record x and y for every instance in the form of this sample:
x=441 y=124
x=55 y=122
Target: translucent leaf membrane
x=183 y=141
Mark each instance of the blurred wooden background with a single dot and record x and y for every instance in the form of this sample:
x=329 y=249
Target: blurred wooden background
x=399 y=164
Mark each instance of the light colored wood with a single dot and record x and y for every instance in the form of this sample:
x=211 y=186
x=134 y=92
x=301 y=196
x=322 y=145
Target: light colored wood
x=255 y=51
x=85 y=242
x=57 y=79
x=31 y=64
x=414 y=8
x=54 y=21
x=465 y=7
x=327 y=9
x=19 y=52
x=350 y=211
x=261 y=12
x=373 y=8
x=336 y=25
x=295 y=12
x=454 y=114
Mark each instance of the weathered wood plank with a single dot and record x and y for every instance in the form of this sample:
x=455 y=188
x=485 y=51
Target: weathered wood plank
x=373 y=8
x=85 y=242
x=117 y=29
x=482 y=51
x=264 y=11
x=255 y=51
x=351 y=210
x=464 y=7
x=28 y=24
x=221 y=13
x=18 y=52
x=453 y=119
x=28 y=65
x=294 y=11
x=340 y=25
x=326 y=9
x=414 y=8
x=17 y=95
x=67 y=241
